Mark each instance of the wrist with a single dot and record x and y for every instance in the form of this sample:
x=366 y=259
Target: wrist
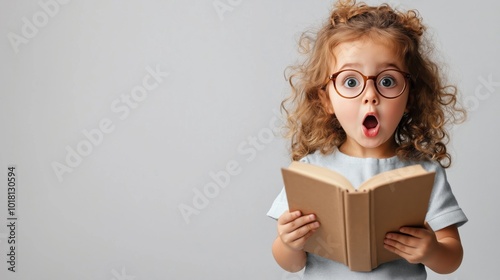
x=290 y=259
x=288 y=247
x=446 y=257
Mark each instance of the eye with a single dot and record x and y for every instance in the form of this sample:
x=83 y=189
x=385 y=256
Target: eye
x=387 y=82
x=351 y=82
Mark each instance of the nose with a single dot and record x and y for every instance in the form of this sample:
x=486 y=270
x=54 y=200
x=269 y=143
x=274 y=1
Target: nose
x=371 y=95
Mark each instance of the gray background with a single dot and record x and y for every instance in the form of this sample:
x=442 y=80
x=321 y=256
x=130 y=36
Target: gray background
x=116 y=215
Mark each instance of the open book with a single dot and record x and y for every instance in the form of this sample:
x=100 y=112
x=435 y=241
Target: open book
x=353 y=223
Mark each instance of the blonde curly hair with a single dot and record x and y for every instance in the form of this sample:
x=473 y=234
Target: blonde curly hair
x=421 y=133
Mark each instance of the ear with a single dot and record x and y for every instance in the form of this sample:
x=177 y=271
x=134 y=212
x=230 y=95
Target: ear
x=325 y=100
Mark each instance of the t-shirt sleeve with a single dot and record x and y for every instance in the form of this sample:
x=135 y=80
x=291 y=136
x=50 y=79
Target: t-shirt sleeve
x=443 y=206
x=279 y=206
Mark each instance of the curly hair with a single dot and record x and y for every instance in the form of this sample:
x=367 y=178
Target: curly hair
x=421 y=133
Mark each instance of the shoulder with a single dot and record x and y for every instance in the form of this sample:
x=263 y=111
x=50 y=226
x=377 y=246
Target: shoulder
x=317 y=158
x=432 y=165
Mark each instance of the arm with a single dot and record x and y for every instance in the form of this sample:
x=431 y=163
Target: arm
x=293 y=231
x=440 y=251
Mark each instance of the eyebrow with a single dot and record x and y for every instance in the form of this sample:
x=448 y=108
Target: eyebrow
x=356 y=66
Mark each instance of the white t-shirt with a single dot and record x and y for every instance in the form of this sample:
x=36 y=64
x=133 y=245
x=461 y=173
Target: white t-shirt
x=443 y=211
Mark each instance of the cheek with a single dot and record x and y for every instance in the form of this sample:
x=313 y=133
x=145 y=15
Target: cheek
x=395 y=113
x=345 y=110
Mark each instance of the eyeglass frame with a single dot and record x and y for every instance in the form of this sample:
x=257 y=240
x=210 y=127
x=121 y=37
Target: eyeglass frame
x=406 y=75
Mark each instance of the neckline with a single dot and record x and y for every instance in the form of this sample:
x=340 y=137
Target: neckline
x=348 y=158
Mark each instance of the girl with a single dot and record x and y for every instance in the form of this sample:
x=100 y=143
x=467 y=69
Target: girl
x=368 y=99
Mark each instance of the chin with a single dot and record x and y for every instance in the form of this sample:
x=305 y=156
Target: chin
x=374 y=144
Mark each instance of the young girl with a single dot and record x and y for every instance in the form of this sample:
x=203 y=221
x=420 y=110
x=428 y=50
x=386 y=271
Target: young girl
x=369 y=99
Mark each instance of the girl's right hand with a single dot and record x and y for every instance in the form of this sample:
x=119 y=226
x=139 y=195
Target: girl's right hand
x=294 y=229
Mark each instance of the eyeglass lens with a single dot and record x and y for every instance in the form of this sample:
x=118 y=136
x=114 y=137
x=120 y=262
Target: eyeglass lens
x=389 y=83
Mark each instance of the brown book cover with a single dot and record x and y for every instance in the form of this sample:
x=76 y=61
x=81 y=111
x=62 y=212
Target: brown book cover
x=355 y=222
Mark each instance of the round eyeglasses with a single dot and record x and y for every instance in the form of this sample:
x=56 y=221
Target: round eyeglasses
x=390 y=83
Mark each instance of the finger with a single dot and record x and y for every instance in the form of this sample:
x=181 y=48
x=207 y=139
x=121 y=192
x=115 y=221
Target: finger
x=287 y=217
x=304 y=230
x=298 y=222
x=397 y=249
x=403 y=239
x=300 y=242
x=300 y=235
x=291 y=233
x=414 y=231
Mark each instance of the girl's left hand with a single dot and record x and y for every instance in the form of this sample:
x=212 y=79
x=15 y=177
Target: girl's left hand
x=415 y=245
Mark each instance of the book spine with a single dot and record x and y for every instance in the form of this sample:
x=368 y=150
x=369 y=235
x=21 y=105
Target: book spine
x=357 y=211
x=373 y=232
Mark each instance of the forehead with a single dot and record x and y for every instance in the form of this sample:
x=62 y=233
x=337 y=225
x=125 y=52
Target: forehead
x=366 y=55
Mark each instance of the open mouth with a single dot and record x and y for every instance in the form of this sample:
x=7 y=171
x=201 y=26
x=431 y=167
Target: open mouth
x=370 y=126
x=370 y=122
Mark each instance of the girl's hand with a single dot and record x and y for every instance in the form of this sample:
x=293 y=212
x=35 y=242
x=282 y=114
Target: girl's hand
x=416 y=245
x=294 y=229
x=439 y=250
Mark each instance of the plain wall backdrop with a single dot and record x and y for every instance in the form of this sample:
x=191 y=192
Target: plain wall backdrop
x=119 y=114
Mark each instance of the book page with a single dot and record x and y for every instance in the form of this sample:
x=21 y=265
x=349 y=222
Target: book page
x=323 y=174
x=392 y=176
